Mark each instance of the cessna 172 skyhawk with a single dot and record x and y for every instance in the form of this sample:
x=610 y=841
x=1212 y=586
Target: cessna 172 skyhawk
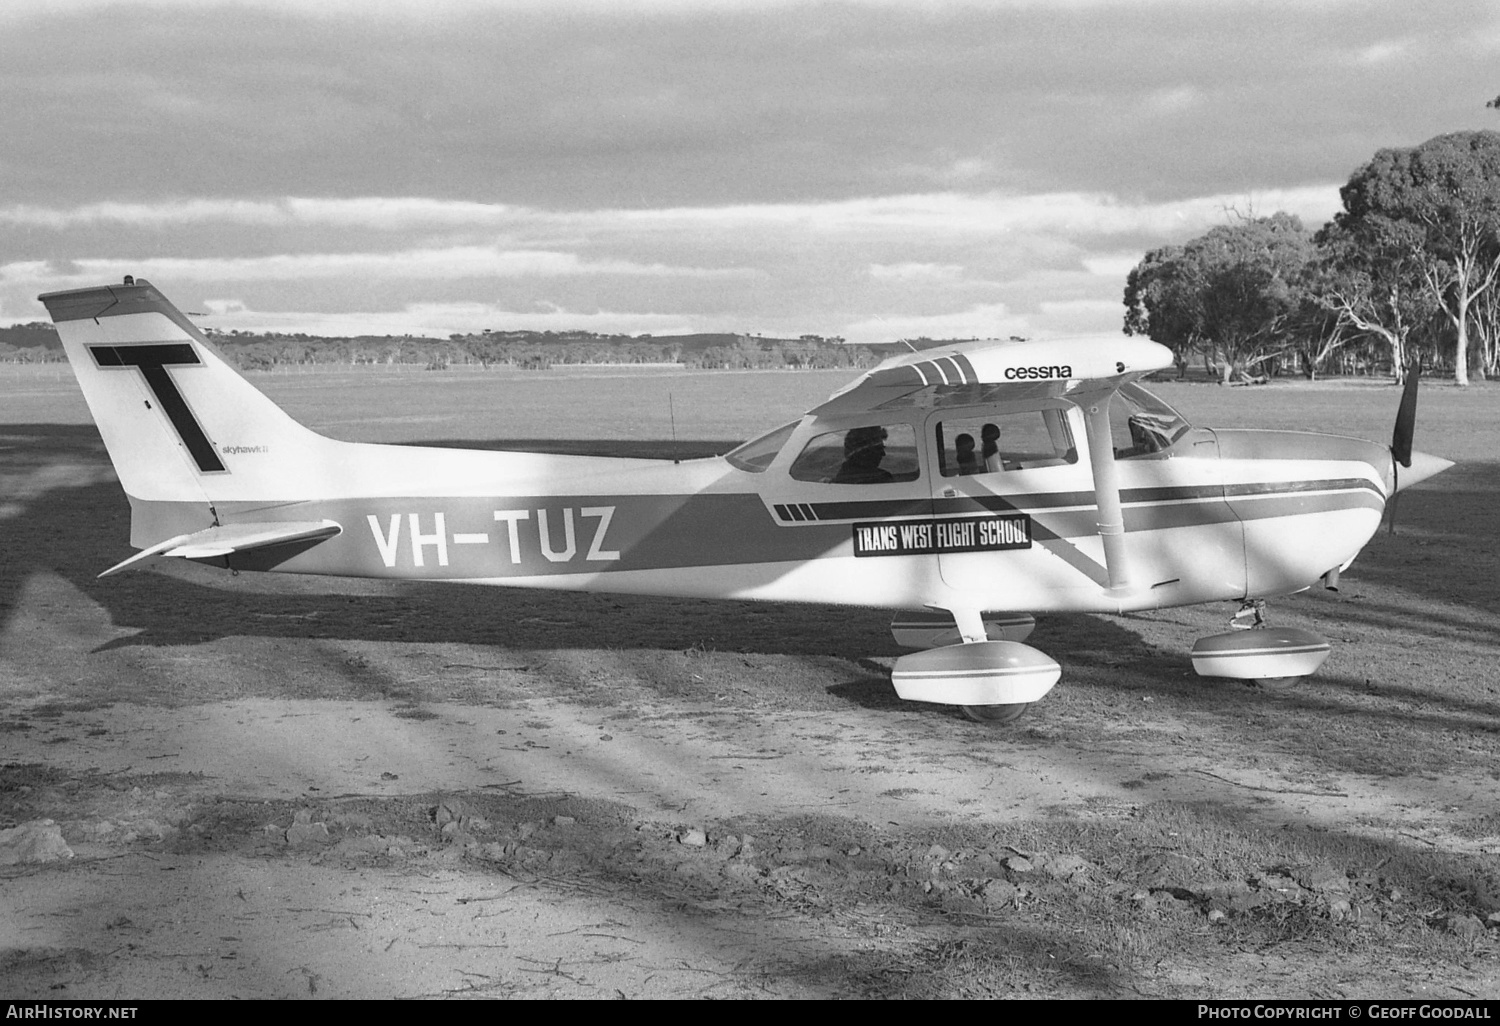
x=977 y=484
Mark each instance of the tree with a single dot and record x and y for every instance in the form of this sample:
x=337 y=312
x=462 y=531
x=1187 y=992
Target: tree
x=1371 y=281
x=1486 y=315
x=1230 y=294
x=1315 y=332
x=1439 y=201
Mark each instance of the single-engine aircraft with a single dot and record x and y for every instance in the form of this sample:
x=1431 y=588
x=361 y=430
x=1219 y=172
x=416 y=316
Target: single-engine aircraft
x=968 y=487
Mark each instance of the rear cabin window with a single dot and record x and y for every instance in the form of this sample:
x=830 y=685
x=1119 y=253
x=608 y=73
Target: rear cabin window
x=759 y=453
x=996 y=443
x=876 y=454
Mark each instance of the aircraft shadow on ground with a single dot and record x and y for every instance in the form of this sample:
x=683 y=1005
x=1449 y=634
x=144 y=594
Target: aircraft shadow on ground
x=1444 y=557
x=76 y=531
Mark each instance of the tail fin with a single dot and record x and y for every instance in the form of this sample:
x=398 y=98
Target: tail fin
x=184 y=430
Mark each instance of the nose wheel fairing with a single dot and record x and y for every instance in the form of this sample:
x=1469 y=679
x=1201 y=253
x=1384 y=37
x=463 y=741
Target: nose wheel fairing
x=1267 y=653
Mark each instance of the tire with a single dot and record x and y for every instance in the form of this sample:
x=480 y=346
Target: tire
x=997 y=715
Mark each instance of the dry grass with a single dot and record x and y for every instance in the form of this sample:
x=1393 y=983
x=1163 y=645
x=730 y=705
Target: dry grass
x=1409 y=702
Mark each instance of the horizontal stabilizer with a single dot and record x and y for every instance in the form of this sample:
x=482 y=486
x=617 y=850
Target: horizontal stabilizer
x=228 y=539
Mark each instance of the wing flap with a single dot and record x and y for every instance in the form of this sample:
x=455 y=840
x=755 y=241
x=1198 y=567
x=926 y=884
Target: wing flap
x=227 y=539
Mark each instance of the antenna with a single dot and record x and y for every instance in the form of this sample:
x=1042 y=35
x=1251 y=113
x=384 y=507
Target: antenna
x=672 y=414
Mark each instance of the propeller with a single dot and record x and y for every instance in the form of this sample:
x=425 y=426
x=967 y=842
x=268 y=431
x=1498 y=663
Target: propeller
x=1406 y=425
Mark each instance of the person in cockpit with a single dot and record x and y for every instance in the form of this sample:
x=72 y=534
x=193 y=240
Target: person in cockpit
x=864 y=448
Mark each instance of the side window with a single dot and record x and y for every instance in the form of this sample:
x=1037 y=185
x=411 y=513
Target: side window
x=877 y=454
x=1012 y=441
x=1141 y=424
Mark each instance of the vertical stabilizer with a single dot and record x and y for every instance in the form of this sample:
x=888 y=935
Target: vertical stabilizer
x=183 y=428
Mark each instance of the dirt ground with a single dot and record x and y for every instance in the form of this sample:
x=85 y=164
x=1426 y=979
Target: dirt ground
x=269 y=787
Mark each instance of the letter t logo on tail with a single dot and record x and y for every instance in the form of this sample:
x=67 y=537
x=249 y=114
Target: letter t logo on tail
x=152 y=360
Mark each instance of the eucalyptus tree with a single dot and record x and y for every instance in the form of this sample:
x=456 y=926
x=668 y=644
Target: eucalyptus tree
x=1371 y=282
x=1231 y=294
x=1439 y=205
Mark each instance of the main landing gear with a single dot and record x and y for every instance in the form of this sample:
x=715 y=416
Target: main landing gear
x=1255 y=651
x=994 y=681
x=997 y=715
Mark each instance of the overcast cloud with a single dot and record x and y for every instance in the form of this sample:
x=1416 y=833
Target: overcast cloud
x=873 y=169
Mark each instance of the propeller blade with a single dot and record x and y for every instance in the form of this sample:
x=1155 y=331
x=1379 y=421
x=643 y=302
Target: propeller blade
x=1406 y=417
x=1406 y=426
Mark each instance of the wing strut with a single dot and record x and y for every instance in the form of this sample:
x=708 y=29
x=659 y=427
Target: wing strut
x=1111 y=518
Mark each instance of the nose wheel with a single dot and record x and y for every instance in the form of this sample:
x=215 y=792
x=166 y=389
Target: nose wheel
x=1253 y=650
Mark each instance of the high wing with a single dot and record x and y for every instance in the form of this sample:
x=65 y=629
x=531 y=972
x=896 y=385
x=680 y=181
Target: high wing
x=980 y=372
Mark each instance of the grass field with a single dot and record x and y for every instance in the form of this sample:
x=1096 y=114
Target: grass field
x=1144 y=832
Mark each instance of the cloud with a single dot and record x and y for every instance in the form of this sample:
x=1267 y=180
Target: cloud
x=146 y=215
x=986 y=320
x=385 y=213
x=968 y=214
x=1080 y=317
x=1383 y=52
x=949 y=264
x=915 y=272
x=1174 y=100
x=439 y=320
x=447 y=263
x=225 y=307
x=1112 y=265
x=424 y=9
x=961 y=213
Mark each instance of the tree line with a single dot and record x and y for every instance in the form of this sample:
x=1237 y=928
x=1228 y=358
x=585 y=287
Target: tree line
x=529 y=350
x=1405 y=272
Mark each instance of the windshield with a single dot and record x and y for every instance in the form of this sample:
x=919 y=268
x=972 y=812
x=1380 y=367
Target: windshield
x=1150 y=424
x=759 y=453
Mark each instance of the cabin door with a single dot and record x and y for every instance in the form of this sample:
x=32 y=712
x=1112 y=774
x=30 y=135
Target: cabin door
x=1013 y=504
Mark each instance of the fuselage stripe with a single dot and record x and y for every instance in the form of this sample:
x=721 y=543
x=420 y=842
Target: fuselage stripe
x=1135 y=498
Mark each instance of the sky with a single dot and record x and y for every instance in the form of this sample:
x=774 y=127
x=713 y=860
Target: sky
x=872 y=169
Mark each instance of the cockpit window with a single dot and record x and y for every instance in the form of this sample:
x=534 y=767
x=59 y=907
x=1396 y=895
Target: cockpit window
x=1142 y=424
x=875 y=454
x=759 y=453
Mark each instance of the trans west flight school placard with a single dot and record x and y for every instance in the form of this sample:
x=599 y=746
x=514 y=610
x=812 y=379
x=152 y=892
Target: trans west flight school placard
x=964 y=534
